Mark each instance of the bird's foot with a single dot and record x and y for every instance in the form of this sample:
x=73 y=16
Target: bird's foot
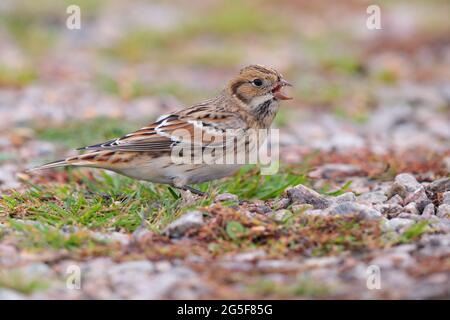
x=194 y=191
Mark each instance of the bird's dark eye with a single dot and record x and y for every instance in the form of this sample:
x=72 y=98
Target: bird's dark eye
x=257 y=82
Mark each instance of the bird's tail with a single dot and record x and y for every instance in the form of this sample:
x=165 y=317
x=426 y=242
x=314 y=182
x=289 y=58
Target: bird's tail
x=84 y=160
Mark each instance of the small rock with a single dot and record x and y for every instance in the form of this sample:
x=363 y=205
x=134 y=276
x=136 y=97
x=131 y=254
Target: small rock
x=447 y=163
x=396 y=189
x=7 y=294
x=440 y=185
x=419 y=197
x=398 y=223
x=428 y=211
x=408 y=181
x=301 y=194
x=129 y=268
x=122 y=238
x=348 y=196
x=281 y=215
x=373 y=197
x=444 y=211
x=410 y=216
x=226 y=197
x=249 y=255
x=364 y=212
x=411 y=208
x=188 y=221
x=277 y=265
x=395 y=200
x=302 y=207
x=446 y=198
x=387 y=209
x=335 y=170
x=316 y=212
x=282 y=203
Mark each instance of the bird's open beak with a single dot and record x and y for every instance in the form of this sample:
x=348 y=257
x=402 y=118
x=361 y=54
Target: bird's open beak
x=278 y=94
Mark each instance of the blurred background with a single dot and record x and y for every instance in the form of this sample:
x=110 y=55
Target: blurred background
x=387 y=90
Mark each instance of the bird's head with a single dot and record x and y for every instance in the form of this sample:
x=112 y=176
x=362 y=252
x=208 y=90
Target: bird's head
x=256 y=84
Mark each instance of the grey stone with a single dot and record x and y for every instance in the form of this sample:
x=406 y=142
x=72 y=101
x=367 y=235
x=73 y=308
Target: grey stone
x=333 y=170
x=282 y=203
x=398 y=223
x=131 y=269
x=188 y=221
x=440 y=185
x=395 y=200
x=362 y=211
x=348 y=196
x=419 y=197
x=411 y=208
x=302 y=207
x=226 y=197
x=249 y=255
x=410 y=190
x=408 y=181
x=396 y=189
x=7 y=294
x=301 y=194
x=443 y=211
x=428 y=211
x=281 y=215
x=373 y=197
x=446 y=198
x=276 y=265
x=446 y=162
x=390 y=210
x=122 y=238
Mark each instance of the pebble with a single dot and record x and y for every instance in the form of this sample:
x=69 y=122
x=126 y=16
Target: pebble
x=398 y=223
x=411 y=208
x=443 y=211
x=419 y=197
x=408 y=181
x=281 y=215
x=226 y=197
x=188 y=221
x=428 y=211
x=395 y=200
x=348 y=196
x=335 y=170
x=301 y=195
x=363 y=212
x=446 y=198
x=440 y=185
x=372 y=197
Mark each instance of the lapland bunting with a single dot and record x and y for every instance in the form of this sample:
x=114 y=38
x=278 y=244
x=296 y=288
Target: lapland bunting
x=249 y=102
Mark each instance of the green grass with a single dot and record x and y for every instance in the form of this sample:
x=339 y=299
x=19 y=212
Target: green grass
x=303 y=286
x=414 y=232
x=14 y=280
x=113 y=201
x=41 y=236
x=230 y=20
x=16 y=77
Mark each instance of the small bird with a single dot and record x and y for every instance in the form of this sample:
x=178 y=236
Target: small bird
x=250 y=101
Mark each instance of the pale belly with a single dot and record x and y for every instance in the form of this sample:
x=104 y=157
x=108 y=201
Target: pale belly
x=164 y=171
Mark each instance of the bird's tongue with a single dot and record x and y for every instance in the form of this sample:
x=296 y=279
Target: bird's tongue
x=280 y=95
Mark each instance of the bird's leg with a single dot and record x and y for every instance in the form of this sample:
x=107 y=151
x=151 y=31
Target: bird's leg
x=193 y=190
